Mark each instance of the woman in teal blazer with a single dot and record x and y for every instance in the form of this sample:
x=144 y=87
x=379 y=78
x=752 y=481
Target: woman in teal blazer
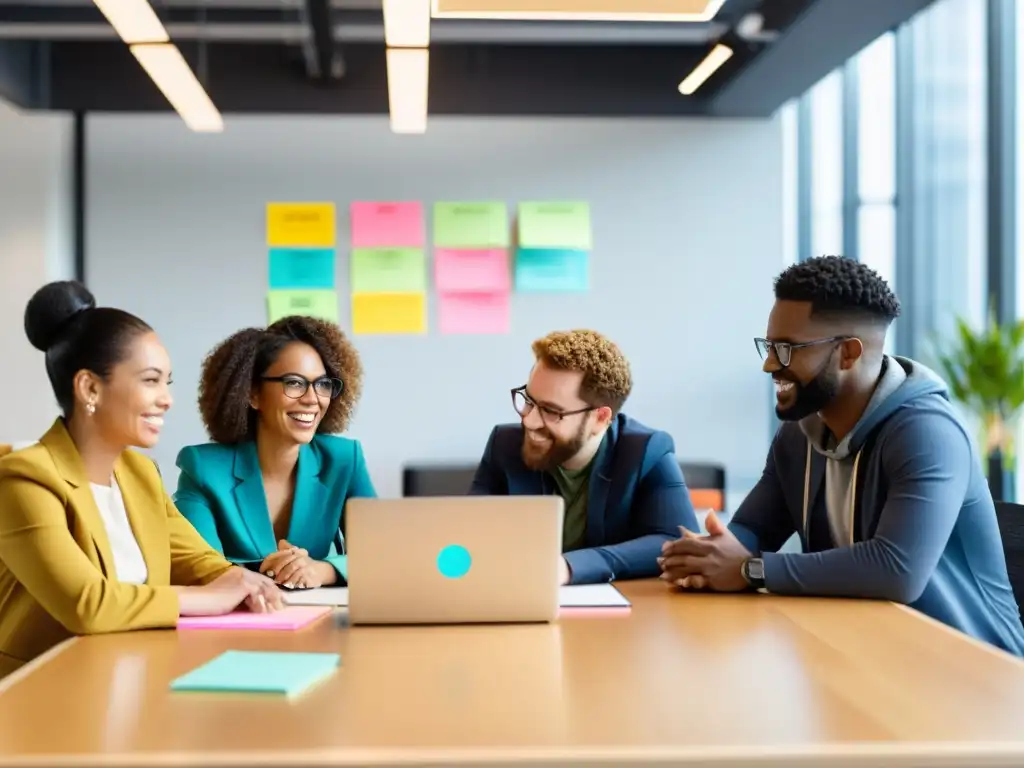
x=270 y=491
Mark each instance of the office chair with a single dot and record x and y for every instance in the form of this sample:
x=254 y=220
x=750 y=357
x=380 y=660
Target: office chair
x=706 y=483
x=437 y=480
x=1011 y=530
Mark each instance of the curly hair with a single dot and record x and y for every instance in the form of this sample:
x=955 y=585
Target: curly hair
x=607 y=380
x=835 y=285
x=234 y=368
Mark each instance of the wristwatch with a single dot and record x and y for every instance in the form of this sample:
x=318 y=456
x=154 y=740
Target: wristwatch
x=753 y=571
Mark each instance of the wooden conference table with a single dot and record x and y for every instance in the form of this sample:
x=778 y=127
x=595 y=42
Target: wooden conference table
x=689 y=680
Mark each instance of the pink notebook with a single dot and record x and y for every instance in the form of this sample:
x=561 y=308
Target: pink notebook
x=292 y=617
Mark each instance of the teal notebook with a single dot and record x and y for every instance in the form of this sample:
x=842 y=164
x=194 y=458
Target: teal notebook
x=259 y=672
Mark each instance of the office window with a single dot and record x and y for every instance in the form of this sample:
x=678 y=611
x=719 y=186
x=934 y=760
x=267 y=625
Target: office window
x=946 y=193
x=876 y=157
x=790 y=184
x=826 y=99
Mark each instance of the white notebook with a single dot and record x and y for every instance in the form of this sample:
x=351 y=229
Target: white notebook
x=574 y=596
x=320 y=596
x=591 y=596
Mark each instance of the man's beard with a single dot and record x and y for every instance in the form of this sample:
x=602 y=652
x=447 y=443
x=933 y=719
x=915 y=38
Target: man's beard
x=557 y=451
x=810 y=397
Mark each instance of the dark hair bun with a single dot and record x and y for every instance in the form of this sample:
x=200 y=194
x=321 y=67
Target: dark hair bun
x=51 y=309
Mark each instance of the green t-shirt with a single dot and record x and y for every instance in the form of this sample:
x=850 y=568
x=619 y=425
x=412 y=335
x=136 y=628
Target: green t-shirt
x=573 y=485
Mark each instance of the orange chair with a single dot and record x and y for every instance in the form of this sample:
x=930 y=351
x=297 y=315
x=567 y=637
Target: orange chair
x=706 y=483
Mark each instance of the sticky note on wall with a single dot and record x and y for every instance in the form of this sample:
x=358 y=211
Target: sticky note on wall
x=321 y=304
x=387 y=225
x=389 y=313
x=555 y=224
x=471 y=225
x=552 y=270
x=473 y=271
x=389 y=270
x=300 y=224
x=473 y=313
x=301 y=268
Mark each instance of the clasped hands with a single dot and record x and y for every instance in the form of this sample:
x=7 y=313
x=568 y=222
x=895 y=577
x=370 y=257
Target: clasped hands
x=711 y=562
x=292 y=567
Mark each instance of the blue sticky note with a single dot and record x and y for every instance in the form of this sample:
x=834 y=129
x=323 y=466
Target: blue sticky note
x=308 y=268
x=259 y=672
x=558 y=270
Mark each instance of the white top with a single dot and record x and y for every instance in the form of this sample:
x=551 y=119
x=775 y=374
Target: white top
x=129 y=565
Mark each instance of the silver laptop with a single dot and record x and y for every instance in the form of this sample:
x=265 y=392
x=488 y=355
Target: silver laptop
x=453 y=559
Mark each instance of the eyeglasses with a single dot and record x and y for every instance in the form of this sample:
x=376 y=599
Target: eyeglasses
x=296 y=386
x=523 y=404
x=784 y=349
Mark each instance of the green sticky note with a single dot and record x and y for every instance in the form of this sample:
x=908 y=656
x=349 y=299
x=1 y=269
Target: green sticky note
x=321 y=304
x=555 y=224
x=471 y=225
x=389 y=270
x=277 y=672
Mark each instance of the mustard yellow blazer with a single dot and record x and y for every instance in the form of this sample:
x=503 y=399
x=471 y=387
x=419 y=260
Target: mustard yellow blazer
x=56 y=565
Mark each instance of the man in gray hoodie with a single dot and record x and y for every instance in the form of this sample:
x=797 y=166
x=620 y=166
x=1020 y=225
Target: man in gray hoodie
x=873 y=469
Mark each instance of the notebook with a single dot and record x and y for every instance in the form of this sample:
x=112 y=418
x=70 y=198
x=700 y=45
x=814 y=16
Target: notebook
x=276 y=672
x=290 y=618
x=591 y=596
x=337 y=596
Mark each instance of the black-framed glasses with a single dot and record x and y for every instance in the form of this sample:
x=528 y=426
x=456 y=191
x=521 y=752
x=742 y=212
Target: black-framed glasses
x=296 y=386
x=523 y=404
x=784 y=349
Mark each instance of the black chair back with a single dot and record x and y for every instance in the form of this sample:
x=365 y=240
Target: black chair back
x=437 y=480
x=1011 y=529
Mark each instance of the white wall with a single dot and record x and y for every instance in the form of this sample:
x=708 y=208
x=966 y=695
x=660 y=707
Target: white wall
x=687 y=219
x=35 y=247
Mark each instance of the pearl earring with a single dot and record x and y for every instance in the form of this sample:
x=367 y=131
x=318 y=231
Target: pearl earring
x=90 y=408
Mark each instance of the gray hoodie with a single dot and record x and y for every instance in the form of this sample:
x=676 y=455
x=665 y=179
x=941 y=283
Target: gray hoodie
x=841 y=468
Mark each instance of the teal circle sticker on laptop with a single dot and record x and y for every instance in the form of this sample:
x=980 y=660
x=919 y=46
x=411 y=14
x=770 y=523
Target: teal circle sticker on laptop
x=454 y=561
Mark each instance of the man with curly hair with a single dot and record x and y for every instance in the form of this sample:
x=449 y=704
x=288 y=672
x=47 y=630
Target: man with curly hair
x=872 y=468
x=623 y=489
x=270 y=490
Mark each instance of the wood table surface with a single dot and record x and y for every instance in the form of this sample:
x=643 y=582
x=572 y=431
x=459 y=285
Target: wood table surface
x=682 y=679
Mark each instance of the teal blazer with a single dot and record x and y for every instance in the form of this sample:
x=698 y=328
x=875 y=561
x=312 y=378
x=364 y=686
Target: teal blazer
x=220 y=491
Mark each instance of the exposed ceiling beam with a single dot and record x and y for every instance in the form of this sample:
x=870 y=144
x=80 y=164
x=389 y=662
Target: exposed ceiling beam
x=823 y=36
x=25 y=23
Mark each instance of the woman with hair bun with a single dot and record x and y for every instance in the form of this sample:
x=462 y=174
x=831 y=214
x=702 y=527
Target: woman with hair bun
x=270 y=491
x=89 y=540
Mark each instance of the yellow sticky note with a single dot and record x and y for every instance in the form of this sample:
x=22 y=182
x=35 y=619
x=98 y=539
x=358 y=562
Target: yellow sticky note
x=389 y=313
x=300 y=224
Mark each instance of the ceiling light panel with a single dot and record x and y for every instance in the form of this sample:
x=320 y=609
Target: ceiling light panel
x=407 y=23
x=408 y=78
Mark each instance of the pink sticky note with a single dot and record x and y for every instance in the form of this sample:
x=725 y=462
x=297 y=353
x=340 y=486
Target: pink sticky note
x=474 y=312
x=291 y=617
x=458 y=271
x=387 y=225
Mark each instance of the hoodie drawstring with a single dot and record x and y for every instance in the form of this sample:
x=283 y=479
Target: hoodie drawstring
x=807 y=493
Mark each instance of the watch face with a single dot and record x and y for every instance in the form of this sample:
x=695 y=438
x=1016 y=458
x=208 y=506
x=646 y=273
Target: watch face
x=755 y=567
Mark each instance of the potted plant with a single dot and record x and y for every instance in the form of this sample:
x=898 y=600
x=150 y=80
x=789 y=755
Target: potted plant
x=985 y=373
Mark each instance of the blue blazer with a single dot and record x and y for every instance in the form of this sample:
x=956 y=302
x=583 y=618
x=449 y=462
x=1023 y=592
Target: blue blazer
x=220 y=491
x=637 y=498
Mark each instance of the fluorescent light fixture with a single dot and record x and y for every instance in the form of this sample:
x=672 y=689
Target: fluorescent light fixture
x=578 y=10
x=408 y=75
x=135 y=21
x=710 y=64
x=175 y=79
x=407 y=23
